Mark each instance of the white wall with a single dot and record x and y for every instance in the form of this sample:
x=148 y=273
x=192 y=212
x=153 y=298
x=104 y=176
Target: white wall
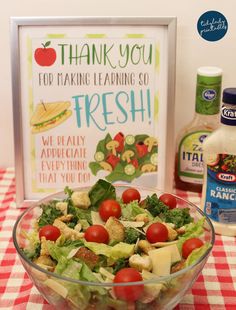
x=192 y=51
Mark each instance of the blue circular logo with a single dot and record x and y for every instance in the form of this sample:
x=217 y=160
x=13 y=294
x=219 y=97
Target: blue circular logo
x=209 y=94
x=212 y=26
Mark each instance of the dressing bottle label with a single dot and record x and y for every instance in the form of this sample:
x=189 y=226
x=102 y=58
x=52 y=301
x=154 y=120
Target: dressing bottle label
x=208 y=94
x=208 y=99
x=220 y=203
x=190 y=157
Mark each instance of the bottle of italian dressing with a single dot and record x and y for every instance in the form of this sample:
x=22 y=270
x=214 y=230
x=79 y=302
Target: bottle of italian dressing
x=189 y=161
x=219 y=154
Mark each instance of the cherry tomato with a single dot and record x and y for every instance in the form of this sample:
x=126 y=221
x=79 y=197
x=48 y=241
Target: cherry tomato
x=157 y=232
x=96 y=233
x=131 y=194
x=50 y=232
x=190 y=245
x=169 y=200
x=109 y=208
x=129 y=293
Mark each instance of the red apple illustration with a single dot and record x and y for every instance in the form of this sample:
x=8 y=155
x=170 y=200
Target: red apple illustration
x=45 y=56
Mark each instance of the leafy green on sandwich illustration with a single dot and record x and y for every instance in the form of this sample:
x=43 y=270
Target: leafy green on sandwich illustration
x=49 y=115
x=125 y=157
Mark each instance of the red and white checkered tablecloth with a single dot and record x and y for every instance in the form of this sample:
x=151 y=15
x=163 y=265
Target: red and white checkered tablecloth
x=214 y=289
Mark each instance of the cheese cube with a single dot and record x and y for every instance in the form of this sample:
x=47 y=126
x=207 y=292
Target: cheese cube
x=161 y=261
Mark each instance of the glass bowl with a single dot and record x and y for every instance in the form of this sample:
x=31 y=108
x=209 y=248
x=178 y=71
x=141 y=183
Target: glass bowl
x=68 y=293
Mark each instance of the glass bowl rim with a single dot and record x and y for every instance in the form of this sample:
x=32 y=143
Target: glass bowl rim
x=155 y=279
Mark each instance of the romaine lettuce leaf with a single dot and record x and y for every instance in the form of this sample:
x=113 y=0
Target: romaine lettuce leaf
x=32 y=253
x=80 y=214
x=99 y=248
x=100 y=191
x=78 y=271
x=68 y=268
x=120 y=250
x=132 y=209
x=57 y=251
x=33 y=248
x=78 y=294
x=86 y=274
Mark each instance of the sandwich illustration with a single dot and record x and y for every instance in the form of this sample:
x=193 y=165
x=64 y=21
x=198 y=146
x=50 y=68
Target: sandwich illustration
x=49 y=115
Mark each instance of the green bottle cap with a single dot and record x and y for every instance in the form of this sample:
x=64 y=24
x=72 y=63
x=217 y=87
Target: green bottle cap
x=208 y=90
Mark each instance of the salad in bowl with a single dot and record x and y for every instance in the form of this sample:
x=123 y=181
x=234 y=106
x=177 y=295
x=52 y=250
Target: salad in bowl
x=113 y=247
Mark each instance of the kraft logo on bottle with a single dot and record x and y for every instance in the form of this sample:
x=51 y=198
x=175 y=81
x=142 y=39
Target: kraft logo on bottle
x=209 y=94
x=226 y=177
x=228 y=113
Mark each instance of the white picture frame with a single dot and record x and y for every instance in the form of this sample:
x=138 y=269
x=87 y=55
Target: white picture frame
x=36 y=81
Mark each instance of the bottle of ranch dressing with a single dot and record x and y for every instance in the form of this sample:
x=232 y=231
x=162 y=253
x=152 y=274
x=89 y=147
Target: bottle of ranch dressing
x=219 y=156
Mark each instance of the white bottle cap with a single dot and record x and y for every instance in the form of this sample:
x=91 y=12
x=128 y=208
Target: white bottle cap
x=209 y=71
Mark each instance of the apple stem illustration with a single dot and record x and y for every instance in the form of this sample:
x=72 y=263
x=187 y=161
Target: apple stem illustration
x=46 y=44
x=43 y=105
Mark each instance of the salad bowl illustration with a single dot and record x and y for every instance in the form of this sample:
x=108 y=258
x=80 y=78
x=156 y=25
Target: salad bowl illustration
x=125 y=158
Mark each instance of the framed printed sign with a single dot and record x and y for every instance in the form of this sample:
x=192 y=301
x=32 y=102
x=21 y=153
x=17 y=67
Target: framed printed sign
x=92 y=98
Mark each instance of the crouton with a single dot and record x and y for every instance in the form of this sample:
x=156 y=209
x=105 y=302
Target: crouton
x=86 y=255
x=68 y=233
x=65 y=218
x=145 y=246
x=78 y=227
x=81 y=200
x=115 y=229
x=178 y=266
x=142 y=218
x=62 y=206
x=140 y=262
